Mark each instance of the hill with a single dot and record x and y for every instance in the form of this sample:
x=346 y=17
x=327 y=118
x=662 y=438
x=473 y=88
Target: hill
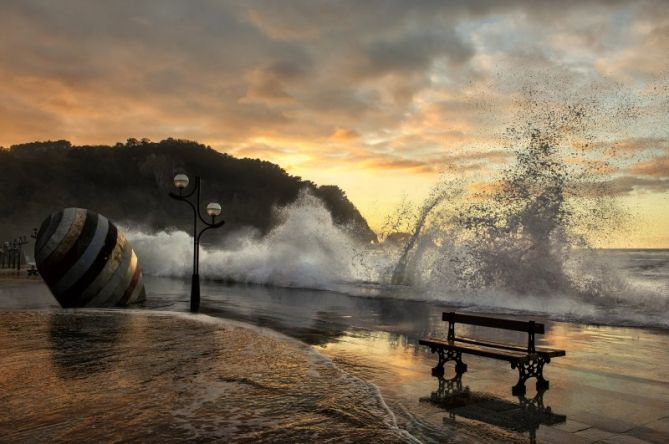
x=130 y=183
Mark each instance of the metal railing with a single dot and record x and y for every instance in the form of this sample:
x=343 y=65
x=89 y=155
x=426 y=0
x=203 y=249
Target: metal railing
x=12 y=257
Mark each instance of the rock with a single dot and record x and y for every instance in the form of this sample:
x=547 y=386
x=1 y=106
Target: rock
x=86 y=261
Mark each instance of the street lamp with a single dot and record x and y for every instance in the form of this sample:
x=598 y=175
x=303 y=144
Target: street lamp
x=181 y=181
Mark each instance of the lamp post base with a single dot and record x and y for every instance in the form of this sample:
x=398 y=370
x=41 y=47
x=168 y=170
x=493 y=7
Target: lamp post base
x=195 y=293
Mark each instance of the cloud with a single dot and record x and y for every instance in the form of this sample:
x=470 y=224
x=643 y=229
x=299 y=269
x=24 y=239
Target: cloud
x=389 y=163
x=416 y=88
x=268 y=62
x=415 y=52
x=270 y=84
x=259 y=151
x=648 y=29
x=623 y=185
x=633 y=145
x=656 y=167
x=343 y=134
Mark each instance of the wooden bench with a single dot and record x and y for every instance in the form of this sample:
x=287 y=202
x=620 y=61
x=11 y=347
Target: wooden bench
x=528 y=360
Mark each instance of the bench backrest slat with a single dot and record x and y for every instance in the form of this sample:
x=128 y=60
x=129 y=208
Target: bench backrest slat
x=506 y=324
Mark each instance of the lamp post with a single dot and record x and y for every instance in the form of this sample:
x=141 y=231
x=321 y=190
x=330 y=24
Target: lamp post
x=12 y=254
x=213 y=210
x=10 y=248
x=14 y=250
x=19 y=243
x=5 y=254
x=9 y=253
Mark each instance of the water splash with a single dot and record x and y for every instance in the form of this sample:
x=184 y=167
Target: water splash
x=437 y=196
x=305 y=249
x=523 y=243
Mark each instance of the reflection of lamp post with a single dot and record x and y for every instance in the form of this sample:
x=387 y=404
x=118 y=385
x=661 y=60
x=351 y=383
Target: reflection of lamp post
x=213 y=210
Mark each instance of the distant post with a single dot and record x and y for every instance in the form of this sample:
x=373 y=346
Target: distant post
x=14 y=250
x=213 y=210
x=11 y=253
x=9 y=250
x=19 y=242
x=5 y=254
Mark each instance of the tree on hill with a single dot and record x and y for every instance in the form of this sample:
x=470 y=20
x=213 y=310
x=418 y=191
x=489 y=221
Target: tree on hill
x=129 y=183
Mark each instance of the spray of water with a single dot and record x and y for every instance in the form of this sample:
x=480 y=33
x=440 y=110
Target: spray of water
x=523 y=244
x=306 y=249
x=448 y=262
x=442 y=192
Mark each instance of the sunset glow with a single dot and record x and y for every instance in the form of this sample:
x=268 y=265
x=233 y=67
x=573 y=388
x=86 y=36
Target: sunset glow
x=380 y=98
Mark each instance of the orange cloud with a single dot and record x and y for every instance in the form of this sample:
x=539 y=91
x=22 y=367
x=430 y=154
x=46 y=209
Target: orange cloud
x=657 y=167
x=388 y=163
x=344 y=135
x=632 y=145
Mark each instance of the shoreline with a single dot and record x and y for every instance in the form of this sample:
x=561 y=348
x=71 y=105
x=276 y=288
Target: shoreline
x=641 y=302
x=457 y=304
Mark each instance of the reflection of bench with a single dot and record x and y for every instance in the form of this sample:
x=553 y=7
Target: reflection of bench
x=525 y=416
x=450 y=393
x=529 y=360
x=32 y=271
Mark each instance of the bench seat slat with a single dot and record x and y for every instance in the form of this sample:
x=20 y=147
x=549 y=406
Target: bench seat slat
x=485 y=321
x=546 y=351
x=506 y=355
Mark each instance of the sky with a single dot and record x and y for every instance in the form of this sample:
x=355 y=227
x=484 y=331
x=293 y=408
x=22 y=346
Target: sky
x=383 y=98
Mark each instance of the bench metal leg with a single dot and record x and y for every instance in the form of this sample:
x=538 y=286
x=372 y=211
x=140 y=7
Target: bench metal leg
x=533 y=366
x=450 y=392
x=448 y=387
x=446 y=355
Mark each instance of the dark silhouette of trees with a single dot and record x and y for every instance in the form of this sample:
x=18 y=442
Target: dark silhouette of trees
x=129 y=184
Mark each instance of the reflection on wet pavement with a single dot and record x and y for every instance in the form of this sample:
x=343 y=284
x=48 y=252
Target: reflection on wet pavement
x=87 y=375
x=612 y=385
x=524 y=416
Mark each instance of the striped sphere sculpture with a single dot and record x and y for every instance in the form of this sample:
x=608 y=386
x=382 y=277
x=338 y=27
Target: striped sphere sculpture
x=86 y=261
